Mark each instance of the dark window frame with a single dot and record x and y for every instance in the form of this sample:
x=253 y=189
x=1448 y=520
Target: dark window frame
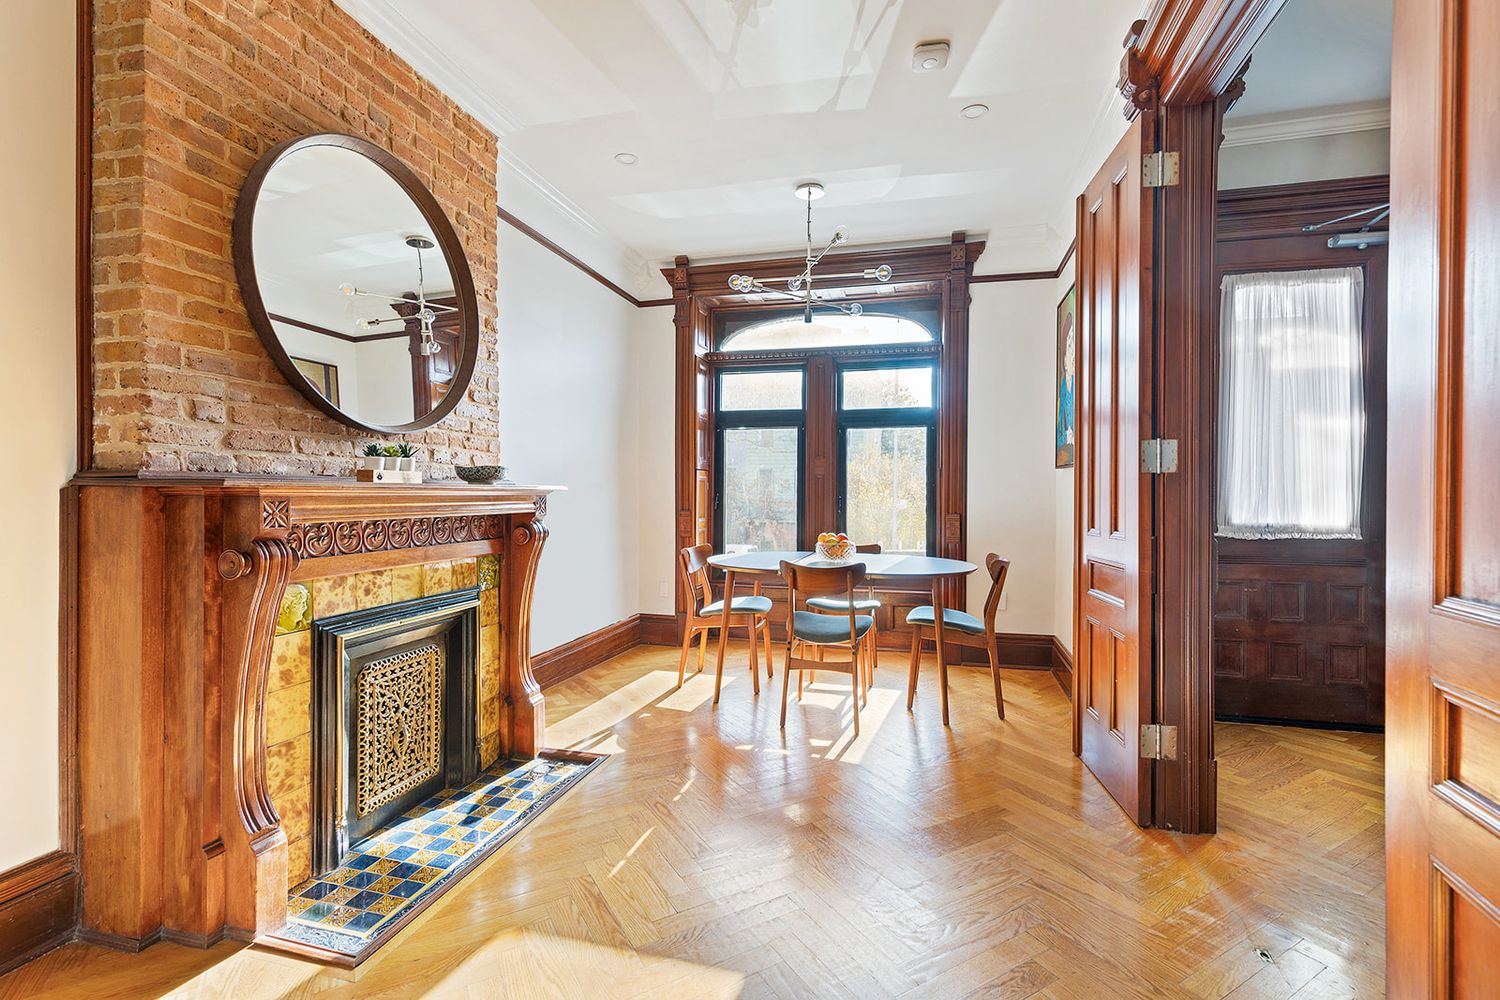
x=881 y=418
x=727 y=420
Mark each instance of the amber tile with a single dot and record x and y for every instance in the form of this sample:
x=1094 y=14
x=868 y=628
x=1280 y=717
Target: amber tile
x=488 y=568
x=291 y=660
x=489 y=749
x=288 y=713
x=489 y=651
x=406 y=583
x=465 y=573
x=334 y=596
x=289 y=766
x=489 y=607
x=299 y=861
x=296 y=609
x=373 y=589
x=296 y=815
x=437 y=578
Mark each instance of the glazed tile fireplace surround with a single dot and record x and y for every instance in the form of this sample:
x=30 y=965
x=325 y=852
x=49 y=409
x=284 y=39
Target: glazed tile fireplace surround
x=198 y=599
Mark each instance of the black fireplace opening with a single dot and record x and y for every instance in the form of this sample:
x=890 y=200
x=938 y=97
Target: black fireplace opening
x=395 y=715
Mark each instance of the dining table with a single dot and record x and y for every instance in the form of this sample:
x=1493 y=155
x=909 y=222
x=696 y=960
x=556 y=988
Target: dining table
x=888 y=566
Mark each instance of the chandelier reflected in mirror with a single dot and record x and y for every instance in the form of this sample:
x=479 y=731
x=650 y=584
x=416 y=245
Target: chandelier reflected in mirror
x=412 y=306
x=799 y=287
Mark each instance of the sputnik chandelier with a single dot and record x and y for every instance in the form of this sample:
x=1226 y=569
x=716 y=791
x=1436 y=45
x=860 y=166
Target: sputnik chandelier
x=799 y=287
x=424 y=311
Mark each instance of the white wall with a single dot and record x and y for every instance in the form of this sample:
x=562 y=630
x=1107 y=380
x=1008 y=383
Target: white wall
x=38 y=66
x=1062 y=539
x=654 y=375
x=1316 y=158
x=568 y=417
x=1013 y=492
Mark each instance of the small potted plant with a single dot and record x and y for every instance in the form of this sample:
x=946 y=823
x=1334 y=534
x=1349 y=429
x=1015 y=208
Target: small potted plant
x=407 y=458
x=374 y=457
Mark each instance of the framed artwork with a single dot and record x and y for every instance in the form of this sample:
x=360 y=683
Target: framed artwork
x=1067 y=363
x=323 y=376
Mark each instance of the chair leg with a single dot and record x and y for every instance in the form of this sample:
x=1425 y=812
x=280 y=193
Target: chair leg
x=800 y=674
x=989 y=647
x=766 y=633
x=687 y=644
x=874 y=646
x=702 y=648
x=854 y=679
x=786 y=682
x=754 y=632
x=916 y=659
x=943 y=676
x=864 y=669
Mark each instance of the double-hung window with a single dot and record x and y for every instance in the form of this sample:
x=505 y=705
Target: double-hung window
x=761 y=423
x=888 y=435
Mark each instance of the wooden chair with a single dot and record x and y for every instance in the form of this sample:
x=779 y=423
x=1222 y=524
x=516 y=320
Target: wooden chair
x=867 y=605
x=752 y=613
x=961 y=629
x=812 y=630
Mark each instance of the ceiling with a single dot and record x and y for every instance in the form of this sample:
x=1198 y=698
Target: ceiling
x=728 y=103
x=327 y=216
x=1320 y=54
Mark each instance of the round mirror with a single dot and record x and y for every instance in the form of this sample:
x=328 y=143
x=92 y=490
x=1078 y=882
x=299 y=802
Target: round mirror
x=356 y=283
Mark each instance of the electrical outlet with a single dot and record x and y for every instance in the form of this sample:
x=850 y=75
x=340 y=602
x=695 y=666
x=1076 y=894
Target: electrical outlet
x=666 y=589
x=1002 y=602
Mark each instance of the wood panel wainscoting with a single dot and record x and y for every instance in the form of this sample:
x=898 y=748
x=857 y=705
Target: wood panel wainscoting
x=180 y=584
x=1299 y=624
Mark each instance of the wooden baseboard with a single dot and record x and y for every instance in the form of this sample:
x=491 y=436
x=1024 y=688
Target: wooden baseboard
x=1062 y=666
x=116 y=942
x=1018 y=650
x=38 y=907
x=561 y=662
x=659 y=630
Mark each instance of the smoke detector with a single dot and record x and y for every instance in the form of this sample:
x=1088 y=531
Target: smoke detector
x=929 y=57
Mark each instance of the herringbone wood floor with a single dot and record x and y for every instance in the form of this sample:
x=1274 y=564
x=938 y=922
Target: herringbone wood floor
x=713 y=858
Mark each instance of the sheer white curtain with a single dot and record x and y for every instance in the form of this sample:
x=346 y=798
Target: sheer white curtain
x=1291 y=404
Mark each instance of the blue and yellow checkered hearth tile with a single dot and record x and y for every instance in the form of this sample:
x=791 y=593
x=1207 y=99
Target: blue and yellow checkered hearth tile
x=386 y=875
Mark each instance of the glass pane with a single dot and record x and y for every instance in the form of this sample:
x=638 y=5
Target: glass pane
x=760 y=489
x=1292 y=415
x=886 y=487
x=760 y=391
x=828 y=330
x=883 y=388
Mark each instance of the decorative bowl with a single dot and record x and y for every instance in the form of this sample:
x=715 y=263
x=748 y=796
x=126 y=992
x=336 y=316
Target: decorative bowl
x=481 y=474
x=840 y=551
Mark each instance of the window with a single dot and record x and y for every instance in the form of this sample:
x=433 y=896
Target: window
x=888 y=426
x=834 y=330
x=1291 y=404
x=760 y=428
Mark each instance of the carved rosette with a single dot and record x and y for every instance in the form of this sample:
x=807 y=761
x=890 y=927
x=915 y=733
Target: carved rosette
x=333 y=538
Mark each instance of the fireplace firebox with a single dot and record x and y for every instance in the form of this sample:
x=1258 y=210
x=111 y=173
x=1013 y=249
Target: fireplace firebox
x=395 y=714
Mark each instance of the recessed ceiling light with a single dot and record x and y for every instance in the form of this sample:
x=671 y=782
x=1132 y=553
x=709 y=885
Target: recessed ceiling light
x=627 y=159
x=975 y=110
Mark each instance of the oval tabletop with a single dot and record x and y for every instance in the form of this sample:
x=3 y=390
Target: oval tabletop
x=878 y=565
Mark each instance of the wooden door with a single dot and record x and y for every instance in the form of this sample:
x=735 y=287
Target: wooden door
x=1112 y=620
x=1299 y=624
x=1443 y=585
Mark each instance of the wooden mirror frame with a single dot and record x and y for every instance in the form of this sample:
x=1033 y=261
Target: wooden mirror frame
x=448 y=242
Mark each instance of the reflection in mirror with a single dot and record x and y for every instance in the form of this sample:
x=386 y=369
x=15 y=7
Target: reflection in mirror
x=356 y=287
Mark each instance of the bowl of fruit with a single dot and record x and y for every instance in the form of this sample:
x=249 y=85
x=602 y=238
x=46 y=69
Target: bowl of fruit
x=835 y=546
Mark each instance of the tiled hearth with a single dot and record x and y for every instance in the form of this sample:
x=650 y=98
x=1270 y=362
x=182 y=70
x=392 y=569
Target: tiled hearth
x=389 y=877
x=289 y=704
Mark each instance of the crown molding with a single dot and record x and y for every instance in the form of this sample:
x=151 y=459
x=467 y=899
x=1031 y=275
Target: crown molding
x=394 y=29
x=1278 y=128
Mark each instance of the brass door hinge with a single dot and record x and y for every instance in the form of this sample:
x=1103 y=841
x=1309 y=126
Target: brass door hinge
x=1159 y=742
x=1160 y=170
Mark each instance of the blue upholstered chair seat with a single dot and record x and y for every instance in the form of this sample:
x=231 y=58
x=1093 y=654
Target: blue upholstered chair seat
x=740 y=605
x=809 y=626
x=839 y=604
x=960 y=621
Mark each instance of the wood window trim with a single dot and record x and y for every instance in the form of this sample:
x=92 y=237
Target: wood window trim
x=941 y=271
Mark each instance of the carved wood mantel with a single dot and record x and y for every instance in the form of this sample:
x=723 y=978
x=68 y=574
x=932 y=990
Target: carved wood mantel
x=180 y=585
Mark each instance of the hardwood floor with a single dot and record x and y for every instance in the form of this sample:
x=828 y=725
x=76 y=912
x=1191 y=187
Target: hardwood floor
x=712 y=858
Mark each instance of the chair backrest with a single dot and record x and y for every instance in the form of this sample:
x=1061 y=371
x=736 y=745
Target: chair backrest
x=998 y=568
x=821 y=581
x=694 y=563
x=873 y=548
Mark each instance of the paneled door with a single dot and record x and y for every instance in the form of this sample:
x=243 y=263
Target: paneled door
x=1112 y=618
x=1443 y=584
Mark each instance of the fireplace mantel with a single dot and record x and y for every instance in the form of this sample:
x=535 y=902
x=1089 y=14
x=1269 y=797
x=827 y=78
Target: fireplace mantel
x=180 y=581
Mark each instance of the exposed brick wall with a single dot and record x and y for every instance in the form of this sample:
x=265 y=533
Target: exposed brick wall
x=188 y=95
